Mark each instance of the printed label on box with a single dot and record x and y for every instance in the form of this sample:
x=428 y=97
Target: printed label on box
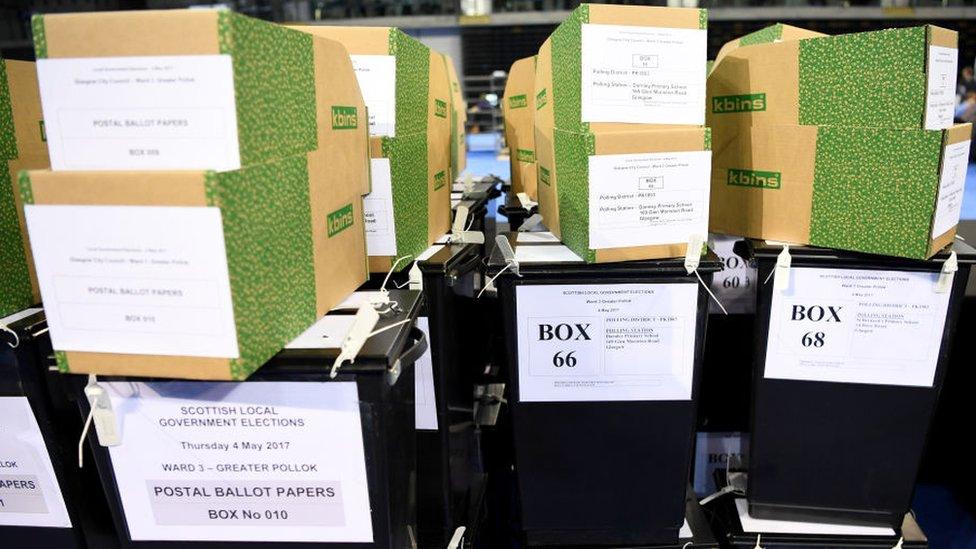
x=952 y=183
x=275 y=461
x=643 y=75
x=140 y=113
x=146 y=280
x=735 y=285
x=376 y=75
x=426 y=403
x=596 y=342
x=29 y=490
x=648 y=199
x=940 y=103
x=378 y=210
x=857 y=326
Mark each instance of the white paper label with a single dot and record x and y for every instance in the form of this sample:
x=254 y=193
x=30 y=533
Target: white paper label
x=595 y=342
x=643 y=75
x=952 y=183
x=545 y=254
x=29 y=491
x=735 y=285
x=648 y=199
x=376 y=75
x=940 y=103
x=140 y=113
x=426 y=404
x=144 y=280
x=754 y=525
x=857 y=326
x=713 y=452
x=270 y=461
x=378 y=211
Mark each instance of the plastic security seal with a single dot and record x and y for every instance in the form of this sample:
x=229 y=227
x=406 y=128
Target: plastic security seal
x=459 y=230
x=525 y=201
x=362 y=327
x=948 y=273
x=102 y=415
x=457 y=539
x=531 y=223
x=511 y=264
x=15 y=341
x=693 y=252
x=781 y=272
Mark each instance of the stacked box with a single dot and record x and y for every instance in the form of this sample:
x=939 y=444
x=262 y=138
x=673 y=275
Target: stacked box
x=635 y=76
x=459 y=114
x=177 y=232
x=407 y=91
x=839 y=141
x=21 y=147
x=518 y=107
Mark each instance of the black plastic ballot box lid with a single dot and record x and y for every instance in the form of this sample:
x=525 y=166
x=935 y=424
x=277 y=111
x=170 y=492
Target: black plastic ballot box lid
x=837 y=451
x=600 y=472
x=383 y=372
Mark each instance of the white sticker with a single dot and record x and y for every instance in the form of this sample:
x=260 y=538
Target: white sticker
x=952 y=183
x=140 y=113
x=274 y=461
x=857 y=326
x=940 y=102
x=545 y=254
x=327 y=333
x=596 y=342
x=378 y=211
x=713 y=451
x=29 y=491
x=648 y=199
x=145 y=280
x=376 y=75
x=735 y=285
x=643 y=75
x=426 y=404
x=754 y=525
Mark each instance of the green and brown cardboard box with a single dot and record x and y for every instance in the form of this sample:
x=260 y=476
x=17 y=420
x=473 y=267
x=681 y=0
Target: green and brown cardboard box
x=873 y=190
x=895 y=78
x=294 y=240
x=459 y=112
x=420 y=151
x=22 y=146
x=592 y=73
x=773 y=33
x=277 y=71
x=626 y=185
x=518 y=107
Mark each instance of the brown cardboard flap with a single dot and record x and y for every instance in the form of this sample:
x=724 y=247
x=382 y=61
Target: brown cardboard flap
x=548 y=184
x=939 y=36
x=959 y=133
x=439 y=177
x=25 y=100
x=777 y=214
x=644 y=16
x=612 y=255
x=789 y=32
x=769 y=69
x=519 y=124
x=175 y=367
x=358 y=40
x=132 y=33
x=655 y=140
x=123 y=188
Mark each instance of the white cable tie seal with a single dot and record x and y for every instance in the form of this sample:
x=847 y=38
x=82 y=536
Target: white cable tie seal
x=16 y=342
x=511 y=264
x=457 y=539
x=758 y=536
x=525 y=201
x=362 y=328
x=531 y=223
x=459 y=229
x=692 y=259
x=102 y=415
x=781 y=272
x=949 y=268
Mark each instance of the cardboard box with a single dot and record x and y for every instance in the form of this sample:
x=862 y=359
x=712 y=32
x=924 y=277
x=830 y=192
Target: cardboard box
x=897 y=78
x=518 y=107
x=459 y=114
x=180 y=89
x=773 y=33
x=406 y=89
x=611 y=65
x=191 y=274
x=406 y=212
x=22 y=146
x=624 y=195
x=872 y=190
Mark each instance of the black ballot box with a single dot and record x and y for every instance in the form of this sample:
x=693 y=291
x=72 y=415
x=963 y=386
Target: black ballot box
x=451 y=474
x=291 y=456
x=850 y=359
x=604 y=365
x=37 y=507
